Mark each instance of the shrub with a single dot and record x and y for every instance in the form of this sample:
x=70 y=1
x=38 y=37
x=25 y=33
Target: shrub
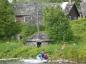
x=57 y=25
x=8 y=26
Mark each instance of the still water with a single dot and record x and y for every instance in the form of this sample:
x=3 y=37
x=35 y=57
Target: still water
x=14 y=62
x=20 y=62
x=10 y=62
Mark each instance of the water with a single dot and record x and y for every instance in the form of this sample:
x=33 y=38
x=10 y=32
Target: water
x=20 y=62
x=13 y=62
x=10 y=62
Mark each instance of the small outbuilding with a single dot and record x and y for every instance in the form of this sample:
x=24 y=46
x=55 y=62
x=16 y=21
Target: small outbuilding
x=38 y=40
x=70 y=9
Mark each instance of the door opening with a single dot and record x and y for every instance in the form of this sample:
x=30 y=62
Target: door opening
x=38 y=44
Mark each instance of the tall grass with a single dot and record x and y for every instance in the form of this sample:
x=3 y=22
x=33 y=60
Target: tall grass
x=18 y=50
x=73 y=51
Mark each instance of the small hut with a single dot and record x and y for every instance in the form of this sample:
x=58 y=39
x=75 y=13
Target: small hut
x=38 y=40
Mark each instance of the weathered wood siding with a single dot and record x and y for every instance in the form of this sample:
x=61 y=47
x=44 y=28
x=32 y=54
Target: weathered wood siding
x=83 y=8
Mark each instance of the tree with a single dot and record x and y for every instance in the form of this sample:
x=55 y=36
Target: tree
x=8 y=26
x=57 y=25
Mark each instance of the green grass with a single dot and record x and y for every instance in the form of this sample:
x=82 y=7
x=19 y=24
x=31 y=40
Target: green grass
x=16 y=49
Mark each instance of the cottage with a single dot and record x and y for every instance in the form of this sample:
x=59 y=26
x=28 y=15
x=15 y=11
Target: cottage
x=38 y=40
x=28 y=12
x=70 y=10
x=31 y=12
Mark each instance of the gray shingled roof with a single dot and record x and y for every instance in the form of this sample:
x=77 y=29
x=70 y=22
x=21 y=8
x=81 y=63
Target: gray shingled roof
x=29 y=9
x=83 y=8
x=24 y=9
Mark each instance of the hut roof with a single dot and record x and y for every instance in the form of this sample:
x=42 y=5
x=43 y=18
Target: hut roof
x=38 y=37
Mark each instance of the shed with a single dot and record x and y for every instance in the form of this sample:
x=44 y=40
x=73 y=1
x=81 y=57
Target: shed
x=70 y=10
x=38 y=40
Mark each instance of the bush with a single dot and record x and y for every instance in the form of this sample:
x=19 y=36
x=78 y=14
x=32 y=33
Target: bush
x=27 y=30
x=79 y=29
x=8 y=26
x=57 y=25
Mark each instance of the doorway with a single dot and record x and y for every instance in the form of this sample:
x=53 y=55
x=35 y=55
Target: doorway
x=39 y=44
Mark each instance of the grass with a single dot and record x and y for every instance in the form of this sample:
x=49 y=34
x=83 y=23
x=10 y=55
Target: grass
x=73 y=51
x=18 y=50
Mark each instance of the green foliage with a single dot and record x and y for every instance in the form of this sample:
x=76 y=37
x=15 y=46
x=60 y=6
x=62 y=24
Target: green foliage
x=75 y=52
x=82 y=55
x=18 y=50
x=57 y=25
x=77 y=2
x=7 y=48
x=8 y=26
x=79 y=29
x=28 y=29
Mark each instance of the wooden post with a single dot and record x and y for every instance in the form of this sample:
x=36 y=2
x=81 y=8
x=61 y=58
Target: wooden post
x=24 y=18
